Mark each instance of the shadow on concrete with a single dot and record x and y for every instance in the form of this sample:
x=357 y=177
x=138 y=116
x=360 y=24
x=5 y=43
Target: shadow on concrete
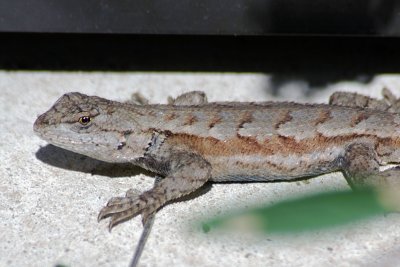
x=68 y=160
x=61 y=158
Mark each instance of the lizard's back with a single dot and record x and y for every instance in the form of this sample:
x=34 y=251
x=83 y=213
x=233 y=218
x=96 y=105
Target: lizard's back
x=269 y=141
x=191 y=144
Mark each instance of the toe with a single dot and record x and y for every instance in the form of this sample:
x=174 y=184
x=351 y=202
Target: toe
x=121 y=217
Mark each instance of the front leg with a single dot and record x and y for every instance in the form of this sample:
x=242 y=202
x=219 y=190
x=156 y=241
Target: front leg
x=187 y=172
x=189 y=98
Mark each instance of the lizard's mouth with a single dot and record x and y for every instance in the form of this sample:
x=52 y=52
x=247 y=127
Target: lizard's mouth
x=47 y=132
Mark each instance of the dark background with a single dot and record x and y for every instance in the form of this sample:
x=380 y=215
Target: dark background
x=316 y=40
x=206 y=17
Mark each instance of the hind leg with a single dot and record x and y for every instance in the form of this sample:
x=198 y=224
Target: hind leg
x=389 y=102
x=360 y=166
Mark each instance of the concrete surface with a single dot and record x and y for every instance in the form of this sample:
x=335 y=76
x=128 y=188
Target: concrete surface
x=49 y=198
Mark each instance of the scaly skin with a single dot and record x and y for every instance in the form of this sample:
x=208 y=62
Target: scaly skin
x=190 y=141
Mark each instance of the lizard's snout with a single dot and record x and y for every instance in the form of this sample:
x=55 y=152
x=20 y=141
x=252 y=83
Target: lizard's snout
x=40 y=121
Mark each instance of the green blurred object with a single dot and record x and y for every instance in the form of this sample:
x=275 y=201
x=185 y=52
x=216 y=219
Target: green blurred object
x=308 y=213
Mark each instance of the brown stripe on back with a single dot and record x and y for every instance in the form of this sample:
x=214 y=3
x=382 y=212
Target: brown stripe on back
x=358 y=117
x=214 y=121
x=324 y=115
x=152 y=113
x=210 y=146
x=170 y=116
x=249 y=141
x=386 y=146
x=247 y=118
x=285 y=118
x=190 y=120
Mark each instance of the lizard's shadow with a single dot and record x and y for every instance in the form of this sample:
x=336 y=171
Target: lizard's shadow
x=65 y=159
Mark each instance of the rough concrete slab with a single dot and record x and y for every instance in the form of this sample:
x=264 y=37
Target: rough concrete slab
x=49 y=197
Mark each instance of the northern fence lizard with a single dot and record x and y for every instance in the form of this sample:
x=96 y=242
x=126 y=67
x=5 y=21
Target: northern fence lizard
x=190 y=141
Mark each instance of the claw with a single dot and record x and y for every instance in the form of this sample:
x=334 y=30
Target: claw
x=115 y=205
x=101 y=215
x=121 y=217
x=126 y=205
x=118 y=201
x=121 y=209
x=109 y=210
x=114 y=200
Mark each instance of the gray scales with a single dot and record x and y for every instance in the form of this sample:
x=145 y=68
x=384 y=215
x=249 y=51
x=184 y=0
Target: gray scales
x=190 y=141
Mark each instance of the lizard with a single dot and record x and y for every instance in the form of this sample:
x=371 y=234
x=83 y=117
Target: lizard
x=191 y=141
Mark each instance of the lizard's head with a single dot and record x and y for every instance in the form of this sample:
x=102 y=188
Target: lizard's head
x=88 y=125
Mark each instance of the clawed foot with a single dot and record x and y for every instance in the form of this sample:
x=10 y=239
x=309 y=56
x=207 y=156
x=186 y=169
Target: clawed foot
x=121 y=209
x=191 y=172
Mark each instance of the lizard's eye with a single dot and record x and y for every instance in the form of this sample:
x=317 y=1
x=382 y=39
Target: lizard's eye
x=84 y=120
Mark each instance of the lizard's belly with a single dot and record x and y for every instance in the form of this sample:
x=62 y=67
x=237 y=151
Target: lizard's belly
x=258 y=168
